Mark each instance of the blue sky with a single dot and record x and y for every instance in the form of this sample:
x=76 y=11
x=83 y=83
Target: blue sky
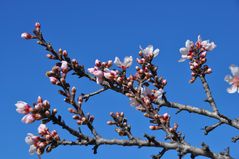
x=105 y=29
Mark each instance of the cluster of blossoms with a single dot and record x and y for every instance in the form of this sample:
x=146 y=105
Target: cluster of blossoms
x=123 y=128
x=196 y=53
x=29 y=36
x=58 y=73
x=102 y=72
x=147 y=97
x=81 y=120
x=233 y=80
x=39 y=111
x=39 y=143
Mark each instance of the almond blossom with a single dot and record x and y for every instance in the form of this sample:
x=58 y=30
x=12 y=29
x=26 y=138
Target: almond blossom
x=126 y=64
x=32 y=140
x=98 y=73
x=26 y=36
x=206 y=45
x=27 y=119
x=42 y=129
x=185 y=50
x=200 y=47
x=110 y=74
x=147 y=96
x=22 y=107
x=64 y=66
x=149 y=51
x=233 y=80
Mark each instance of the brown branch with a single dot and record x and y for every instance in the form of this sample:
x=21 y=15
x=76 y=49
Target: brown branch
x=73 y=132
x=209 y=99
x=87 y=96
x=187 y=149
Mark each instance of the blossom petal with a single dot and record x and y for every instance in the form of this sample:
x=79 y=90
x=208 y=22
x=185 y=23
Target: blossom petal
x=149 y=49
x=228 y=79
x=232 y=89
x=128 y=60
x=156 y=52
x=117 y=62
x=235 y=70
x=183 y=51
x=189 y=44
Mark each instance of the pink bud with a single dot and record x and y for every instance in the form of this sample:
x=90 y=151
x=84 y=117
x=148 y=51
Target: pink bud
x=26 y=36
x=208 y=71
x=64 y=53
x=53 y=80
x=203 y=54
x=50 y=56
x=165 y=116
x=27 y=119
x=64 y=66
x=164 y=82
x=97 y=63
x=39 y=99
x=37 y=26
x=42 y=129
x=22 y=107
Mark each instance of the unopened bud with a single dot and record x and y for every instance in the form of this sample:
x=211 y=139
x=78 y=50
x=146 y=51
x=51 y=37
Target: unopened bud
x=76 y=117
x=71 y=110
x=208 y=71
x=37 y=26
x=203 y=54
x=50 y=56
x=53 y=80
x=46 y=104
x=91 y=118
x=109 y=63
x=64 y=53
x=47 y=113
x=39 y=99
x=110 y=122
x=26 y=36
x=54 y=111
x=73 y=90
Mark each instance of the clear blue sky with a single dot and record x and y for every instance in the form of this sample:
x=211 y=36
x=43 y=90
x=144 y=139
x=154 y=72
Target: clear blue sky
x=105 y=29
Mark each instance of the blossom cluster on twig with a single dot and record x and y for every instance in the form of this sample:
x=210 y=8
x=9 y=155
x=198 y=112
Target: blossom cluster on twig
x=144 y=89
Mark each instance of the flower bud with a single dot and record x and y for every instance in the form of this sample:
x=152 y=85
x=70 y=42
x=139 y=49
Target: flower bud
x=37 y=26
x=76 y=117
x=26 y=36
x=71 y=110
x=164 y=82
x=53 y=80
x=64 y=53
x=110 y=122
x=54 y=111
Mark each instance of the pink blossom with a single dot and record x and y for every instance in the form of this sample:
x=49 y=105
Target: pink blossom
x=53 y=80
x=64 y=66
x=126 y=64
x=31 y=139
x=233 y=80
x=37 y=26
x=149 y=51
x=22 y=107
x=185 y=50
x=98 y=73
x=42 y=129
x=206 y=45
x=27 y=119
x=26 y=36
x=110 y=74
